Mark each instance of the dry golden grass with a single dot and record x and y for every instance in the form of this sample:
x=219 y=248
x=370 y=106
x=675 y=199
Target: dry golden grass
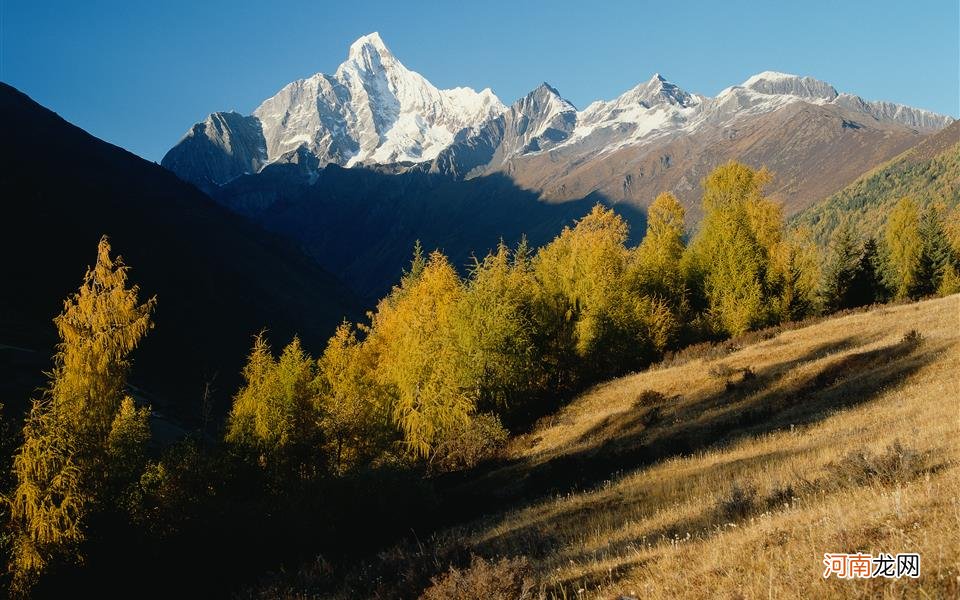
x=729 y=478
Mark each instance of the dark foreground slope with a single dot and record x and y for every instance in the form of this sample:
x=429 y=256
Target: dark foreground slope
x=218 y=278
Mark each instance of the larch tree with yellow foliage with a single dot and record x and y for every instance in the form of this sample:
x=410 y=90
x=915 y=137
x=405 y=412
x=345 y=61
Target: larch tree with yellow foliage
x=659 y=254
x=353 y=407
x=494 y=331
x=593 y=313
x=411 y=333
x=274 y=419
x=796 y=261
x=728 y=264
x=950 y=284
x=84 y=432
x=903 y=248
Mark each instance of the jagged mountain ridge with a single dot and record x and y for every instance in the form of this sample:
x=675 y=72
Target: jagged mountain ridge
x=375 y=111
x=371 y=110
x=652 y=118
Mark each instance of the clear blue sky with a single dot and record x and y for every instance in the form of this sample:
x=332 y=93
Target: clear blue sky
x=138 y=74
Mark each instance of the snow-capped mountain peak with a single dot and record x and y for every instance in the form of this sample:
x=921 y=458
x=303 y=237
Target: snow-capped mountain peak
x=653 y=107
x=541 y=119
x=657 y=109
x=548 y=100
x=369 y=55
x=784 y=84
x=658 y=89
x=770 y=90
x=372 y=109
x=365 y=44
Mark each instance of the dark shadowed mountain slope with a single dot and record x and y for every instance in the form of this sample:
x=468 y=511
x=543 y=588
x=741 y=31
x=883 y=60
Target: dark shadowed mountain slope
x=219 y=279
x=362 y=223
x=928 y=173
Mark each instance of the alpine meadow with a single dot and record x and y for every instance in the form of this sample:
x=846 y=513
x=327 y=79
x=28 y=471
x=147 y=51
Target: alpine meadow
x=380 y=339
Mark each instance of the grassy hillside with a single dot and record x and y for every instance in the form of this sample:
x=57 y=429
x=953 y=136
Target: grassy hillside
x=929 y=172
x=725 y=472
x=789 y=437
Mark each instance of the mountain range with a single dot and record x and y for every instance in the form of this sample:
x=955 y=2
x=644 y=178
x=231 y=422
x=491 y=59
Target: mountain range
x=375 y=111
x=357 y=165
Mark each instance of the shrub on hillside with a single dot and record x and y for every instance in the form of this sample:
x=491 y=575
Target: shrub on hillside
x=505 y=579
x=650 y=398
x=738 y=502
x=897 y=464
x=469 y=444
x=912 y=338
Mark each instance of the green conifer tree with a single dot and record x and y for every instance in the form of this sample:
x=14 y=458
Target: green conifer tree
x=841 y=269
x=867 y=286
x=936 y=255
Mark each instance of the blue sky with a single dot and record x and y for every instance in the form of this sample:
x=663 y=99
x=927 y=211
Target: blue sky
x=138 y=74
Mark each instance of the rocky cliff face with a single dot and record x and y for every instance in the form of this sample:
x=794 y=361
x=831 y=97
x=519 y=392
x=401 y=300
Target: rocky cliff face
x=214 y=152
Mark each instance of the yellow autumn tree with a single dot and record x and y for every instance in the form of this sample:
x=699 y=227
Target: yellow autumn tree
x=71 y=446
x=494 y=331
x=592 y=312
x=952 y=228
x=126 y=443
x=903 y=246
x=728 y=264
x=659 y=254
x=353 y=406
x=797 y=274
x=411 y=333
x=950 y=284
x=274 y=417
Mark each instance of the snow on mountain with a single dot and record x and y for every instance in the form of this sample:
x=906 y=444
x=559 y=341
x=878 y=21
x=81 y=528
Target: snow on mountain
x=771 y=90
x=657 y=108
x=772 y=83
x=539 y=121
x=373 y=110
x=649 y=109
